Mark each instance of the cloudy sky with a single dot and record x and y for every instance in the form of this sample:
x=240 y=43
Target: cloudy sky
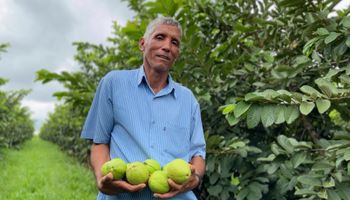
x=41 y=33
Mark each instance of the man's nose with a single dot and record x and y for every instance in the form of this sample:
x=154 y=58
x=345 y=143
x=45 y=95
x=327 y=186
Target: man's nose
x=166 y=45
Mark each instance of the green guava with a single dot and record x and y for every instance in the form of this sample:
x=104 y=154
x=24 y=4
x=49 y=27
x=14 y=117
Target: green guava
x=152 y=165
x=136 y=173
x=178 y=170
x=117 y=166
x=158 y=182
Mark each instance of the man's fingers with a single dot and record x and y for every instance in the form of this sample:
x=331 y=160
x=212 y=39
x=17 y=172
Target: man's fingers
x=107 y=179
x=173 y=185
x=192 y=168
x=128 y=187
x=166 y=195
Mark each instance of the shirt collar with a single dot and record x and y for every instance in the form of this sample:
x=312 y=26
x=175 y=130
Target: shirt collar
x=169 y=88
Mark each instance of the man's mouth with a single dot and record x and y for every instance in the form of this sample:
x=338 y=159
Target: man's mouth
x=163 y=57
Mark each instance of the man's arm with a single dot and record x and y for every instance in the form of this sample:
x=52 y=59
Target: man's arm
x=106 y=184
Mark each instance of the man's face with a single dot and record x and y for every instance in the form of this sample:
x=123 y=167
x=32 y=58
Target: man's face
x=162 y=48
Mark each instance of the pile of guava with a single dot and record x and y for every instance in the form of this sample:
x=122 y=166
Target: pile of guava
x=149 y=172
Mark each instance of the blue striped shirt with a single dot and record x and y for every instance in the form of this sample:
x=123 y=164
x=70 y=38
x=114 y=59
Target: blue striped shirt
x=139 y=124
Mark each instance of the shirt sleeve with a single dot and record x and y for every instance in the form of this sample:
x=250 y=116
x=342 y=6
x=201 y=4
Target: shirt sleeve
x=99 y=122
x=197 y=136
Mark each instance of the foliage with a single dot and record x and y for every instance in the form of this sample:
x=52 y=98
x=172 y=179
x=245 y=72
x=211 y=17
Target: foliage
x=16 y=125
x=63 y=127
x=267 y=75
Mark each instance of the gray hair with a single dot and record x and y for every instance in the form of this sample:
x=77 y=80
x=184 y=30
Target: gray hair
x=161 y=21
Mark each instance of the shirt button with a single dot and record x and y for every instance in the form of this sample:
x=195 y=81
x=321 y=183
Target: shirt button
x=153 y=122
x=152 y=146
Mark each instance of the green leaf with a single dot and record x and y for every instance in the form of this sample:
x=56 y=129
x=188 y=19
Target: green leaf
x=333 y=195
x=326 y=87
x=309 y=180
x=298 y=158
x=215 y=190
x=241 y=108
x=306 y=107
x=346 y=22
x=231 y=119
x=331 y=37
x=279 y=114
x=310 y=91
x=323 y=105
x=253 y=116
x=347 y=42
x=322 y=31
x=235 y=181
x=291 y=113
x=285 y=144
x=267 y=115
x=270 y=158
x=229 y=108
x=304 y=192
x=329 y=183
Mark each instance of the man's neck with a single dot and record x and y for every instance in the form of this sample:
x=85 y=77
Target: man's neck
x=156 y=80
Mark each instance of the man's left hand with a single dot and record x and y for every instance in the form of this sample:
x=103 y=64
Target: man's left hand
x=176 y=189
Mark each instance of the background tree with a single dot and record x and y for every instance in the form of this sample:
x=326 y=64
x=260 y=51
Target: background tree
x=16 y=125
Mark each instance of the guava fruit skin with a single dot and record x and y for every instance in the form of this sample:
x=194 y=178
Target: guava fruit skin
x=117 y=166
x=136 y=173
x=152 y=165
x=178 y=170
x=158 y=182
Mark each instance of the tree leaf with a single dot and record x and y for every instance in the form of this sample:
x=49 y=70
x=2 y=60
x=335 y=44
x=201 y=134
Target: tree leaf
x=279 y=114
x=331 y=37
x=267 y=115
x=306 y=107
x=253 y=116
x=323 y=105
x=322 y=31
x=298 y=158
x=231 y=119
x=241 y=108
x=310 y=91
x=347 y=42
x=291 y=113
x=228 y=108
x=309 y=180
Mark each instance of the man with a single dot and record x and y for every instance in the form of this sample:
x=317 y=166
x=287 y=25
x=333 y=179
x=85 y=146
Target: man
x=143 y=114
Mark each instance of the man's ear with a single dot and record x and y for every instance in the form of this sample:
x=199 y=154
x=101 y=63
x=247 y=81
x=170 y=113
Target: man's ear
x=142 y=44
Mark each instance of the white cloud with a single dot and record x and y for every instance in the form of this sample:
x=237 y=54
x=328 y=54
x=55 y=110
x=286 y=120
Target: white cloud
x=41 y=34
x=39 y=110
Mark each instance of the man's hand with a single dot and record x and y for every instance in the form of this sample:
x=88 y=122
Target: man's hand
x=176 y=189
x=107 y=185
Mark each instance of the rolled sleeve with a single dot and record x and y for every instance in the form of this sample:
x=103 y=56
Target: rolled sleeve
x=197 y=136
x=99 y=122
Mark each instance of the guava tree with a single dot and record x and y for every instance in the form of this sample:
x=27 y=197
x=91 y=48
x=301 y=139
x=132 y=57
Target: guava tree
x=16 y=125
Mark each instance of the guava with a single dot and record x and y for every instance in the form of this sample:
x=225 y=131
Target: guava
x=178 y=170
x=117 y=166
x=152 y=165
x=158 y=182
x=137 y=173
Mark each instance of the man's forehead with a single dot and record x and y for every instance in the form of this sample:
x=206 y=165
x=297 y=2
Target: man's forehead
x=167 y=29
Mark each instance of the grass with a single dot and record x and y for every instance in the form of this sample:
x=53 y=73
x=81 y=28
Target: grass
x=40 y=171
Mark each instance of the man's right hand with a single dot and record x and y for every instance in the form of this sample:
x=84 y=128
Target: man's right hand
x=108 y=186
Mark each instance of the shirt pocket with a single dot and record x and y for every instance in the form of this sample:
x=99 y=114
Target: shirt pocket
x=177 y=139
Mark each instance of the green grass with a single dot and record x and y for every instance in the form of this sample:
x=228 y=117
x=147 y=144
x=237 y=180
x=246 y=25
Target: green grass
x=40 y=170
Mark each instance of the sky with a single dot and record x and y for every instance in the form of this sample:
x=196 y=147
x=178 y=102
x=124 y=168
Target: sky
x=41 y=33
